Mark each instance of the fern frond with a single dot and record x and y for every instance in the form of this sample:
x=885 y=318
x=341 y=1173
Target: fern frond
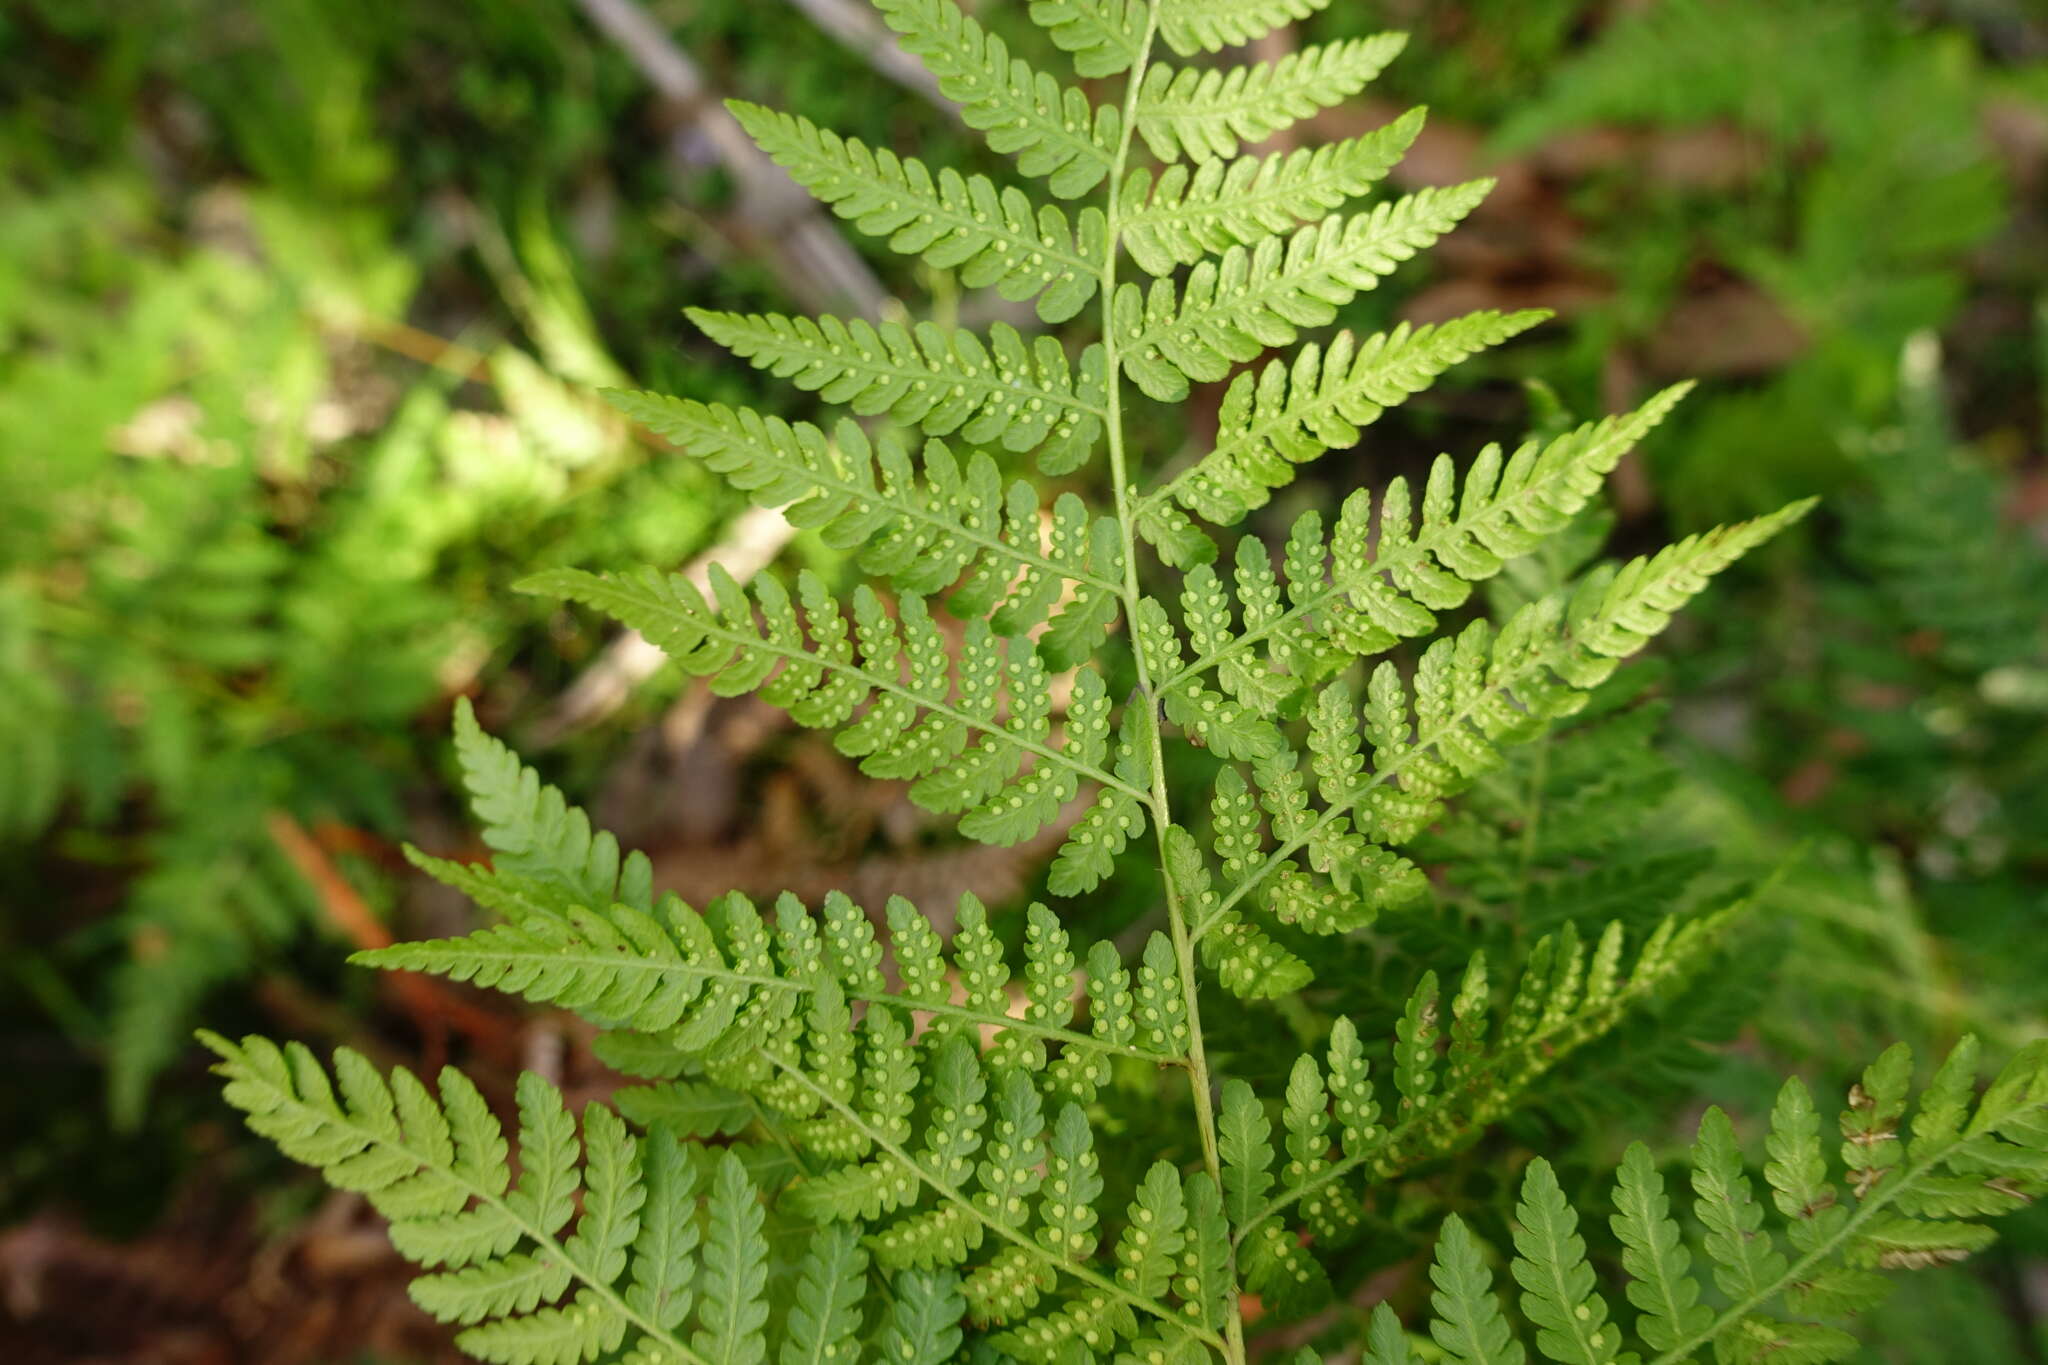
x=990 y=235
x=1375 y=583
x=33 y=728
x=1230 y=310
x=660 y=965
x=762 y=1009
x=960 y=733
x=1291 y=412
x=854 y=1134
x=1930 y=534
x=1103 y=36
x=505 y=1263
x=922 y=524
x=1053 y=131
x=1897 y=1223
x=1341 y=1122
x=1201 y=112
x=1192 y=26
x=547 y=859
x=1183 y=215
x=1002 y=391
x=1472 y=696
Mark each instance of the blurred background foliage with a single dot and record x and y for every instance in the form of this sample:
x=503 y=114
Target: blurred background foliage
x=303 y=308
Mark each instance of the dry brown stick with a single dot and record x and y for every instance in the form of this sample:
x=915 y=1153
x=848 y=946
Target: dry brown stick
x=772 y=215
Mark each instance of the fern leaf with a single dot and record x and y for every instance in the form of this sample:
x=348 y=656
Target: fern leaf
x=917 y=727
x=1557 y=1285
x=1231 y=309
x=1655 y=1256
x=1385 y=1342
x=1473 y=695
x=670 y=967
x=1207 y=112
x=992 y=236
x=1192 y=26
x=1003 y=390
x=435 y=1167
x=734 y=1271
x=1549 y=1019
x=1834 y=1275
x=825 y=1319
x=1185 y=214
x=1103 y=36
x=926 y=526
x=1339 y=601
x=1469 y=1326
x=1292 y=412
x=535 y=834
x=1052 y=130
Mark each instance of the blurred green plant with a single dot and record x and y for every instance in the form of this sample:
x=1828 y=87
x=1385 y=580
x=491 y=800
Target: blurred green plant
x=1851 y=180
x=240 y=559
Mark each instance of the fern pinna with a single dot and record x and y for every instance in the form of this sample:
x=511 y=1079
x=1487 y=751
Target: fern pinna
x=873 y=1130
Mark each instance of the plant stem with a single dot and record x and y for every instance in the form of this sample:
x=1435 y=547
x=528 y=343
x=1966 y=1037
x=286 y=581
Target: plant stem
x=1200 y=1087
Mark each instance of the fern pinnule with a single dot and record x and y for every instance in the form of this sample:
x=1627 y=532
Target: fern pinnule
x=1232 y=309
x=926 y=525
x=990 y=235
x=1185 y=213
x=1289 y=413
x=1103 y=37
x=1192 y=26
x=1204 y=112
x=1001 y=391
x=1054 y=131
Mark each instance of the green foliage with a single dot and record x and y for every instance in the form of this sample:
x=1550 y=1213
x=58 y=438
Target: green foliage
x=893 y=1134
x=1839 y=117
x=225 y=594
x=1958 y=1159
